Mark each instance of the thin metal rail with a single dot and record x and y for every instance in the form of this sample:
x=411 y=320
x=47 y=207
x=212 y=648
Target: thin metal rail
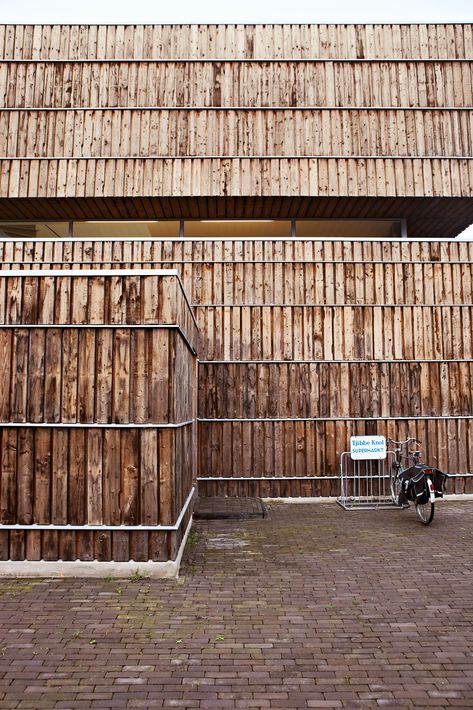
x=330 y=305
x=94 y=425
x=253 y=420
x=242 y=60
x=213 y=156
x=336 y=361
x=299 y=478
x=292 y=109
x=106 y=528
x=268 y=478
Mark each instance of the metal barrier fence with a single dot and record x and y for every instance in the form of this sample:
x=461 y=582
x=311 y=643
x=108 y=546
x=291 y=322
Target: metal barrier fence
x=365 y=485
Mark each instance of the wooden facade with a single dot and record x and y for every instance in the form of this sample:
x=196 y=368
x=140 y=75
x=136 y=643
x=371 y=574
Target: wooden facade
x=301 y=342
x=236 y=120
x=97 y=415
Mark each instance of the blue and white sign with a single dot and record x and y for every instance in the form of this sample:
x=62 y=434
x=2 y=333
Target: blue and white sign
x=367 y=447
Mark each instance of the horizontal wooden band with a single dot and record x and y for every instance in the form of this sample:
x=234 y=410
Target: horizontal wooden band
x=97 y=273
x=100 y=326
x=108 y=528
x=239 y=262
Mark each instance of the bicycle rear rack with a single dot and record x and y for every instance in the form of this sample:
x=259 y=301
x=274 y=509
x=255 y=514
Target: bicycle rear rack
x=365 y=485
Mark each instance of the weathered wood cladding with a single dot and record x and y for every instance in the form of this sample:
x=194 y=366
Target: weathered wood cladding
x=241 y=253
x=275 y=177
x=281 y=450
x=89 y=476
x=293 y=271
x=418 y=375
x=334 y=332
x=371 y=111
x=320 y=390
x=298 y=41
x=95 y=375
x=97 y=413
x=70 y=298
x=187 y=133
x=256 y=84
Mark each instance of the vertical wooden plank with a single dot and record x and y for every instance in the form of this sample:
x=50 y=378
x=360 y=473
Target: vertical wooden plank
x=42 y=476
x=8 y=480
x=130 y=482
x=94 y=483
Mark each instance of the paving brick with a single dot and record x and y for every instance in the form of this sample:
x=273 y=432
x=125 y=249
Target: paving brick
x=310 y=607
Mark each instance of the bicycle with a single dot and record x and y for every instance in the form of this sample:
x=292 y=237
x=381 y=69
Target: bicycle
x=414 y=482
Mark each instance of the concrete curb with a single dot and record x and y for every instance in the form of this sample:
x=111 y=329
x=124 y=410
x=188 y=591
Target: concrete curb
x=94 y=568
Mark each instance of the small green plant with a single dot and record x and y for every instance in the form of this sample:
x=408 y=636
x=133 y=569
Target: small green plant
x=119 y=590
x=108 y=579
x=179 y=640
x=77 y=634
x=93 y=642
x=193 y=538
x=136 y=576
x=220 y=637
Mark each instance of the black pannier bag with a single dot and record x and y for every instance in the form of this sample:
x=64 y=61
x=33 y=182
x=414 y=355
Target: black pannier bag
x=414 y=483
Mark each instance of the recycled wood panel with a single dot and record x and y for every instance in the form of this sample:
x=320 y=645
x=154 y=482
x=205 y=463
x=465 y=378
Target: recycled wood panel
x=95 y=375
x=138 y=379
x=89 y=476
x=263 y=390
x=352 y=41
x=334 y=332
x=189 y=254
x=187 y=67
x=344 y=84
x=285 y=449
x=187 y=133
x=69 y=298
x=236 y=177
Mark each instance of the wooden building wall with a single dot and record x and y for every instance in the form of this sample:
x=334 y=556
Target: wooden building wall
x=95 y=114
x=303 y=343
x=97 y=419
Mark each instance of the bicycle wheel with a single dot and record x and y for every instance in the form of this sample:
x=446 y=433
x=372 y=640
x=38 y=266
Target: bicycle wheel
x=425 y=511
x=395 y=485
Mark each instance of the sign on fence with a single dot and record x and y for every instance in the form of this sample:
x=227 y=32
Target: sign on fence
x=363 y=448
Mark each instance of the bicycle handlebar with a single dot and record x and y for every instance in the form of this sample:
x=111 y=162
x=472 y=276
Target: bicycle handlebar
x=406 y=442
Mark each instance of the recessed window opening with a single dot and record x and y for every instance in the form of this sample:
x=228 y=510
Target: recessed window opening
x=208 y=228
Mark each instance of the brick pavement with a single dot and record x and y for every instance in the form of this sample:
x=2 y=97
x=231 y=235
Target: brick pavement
x=312 y=607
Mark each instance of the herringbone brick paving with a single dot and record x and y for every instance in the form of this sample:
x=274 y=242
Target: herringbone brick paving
x=312 y=607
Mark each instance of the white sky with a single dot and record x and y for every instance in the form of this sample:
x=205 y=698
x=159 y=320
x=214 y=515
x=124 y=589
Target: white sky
x=215 y=11
x=249 y=11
